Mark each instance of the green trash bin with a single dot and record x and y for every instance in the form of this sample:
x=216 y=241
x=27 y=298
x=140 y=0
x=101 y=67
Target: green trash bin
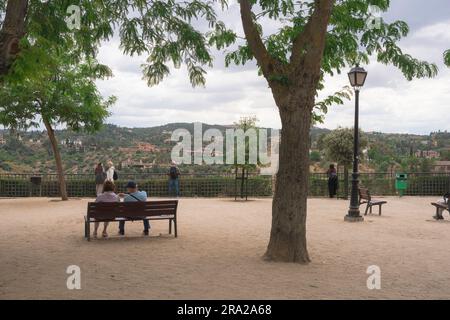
x=401 y=183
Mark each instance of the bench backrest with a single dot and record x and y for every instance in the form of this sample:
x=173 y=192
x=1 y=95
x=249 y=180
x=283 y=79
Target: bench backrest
x=109 y=210
x=364 y=194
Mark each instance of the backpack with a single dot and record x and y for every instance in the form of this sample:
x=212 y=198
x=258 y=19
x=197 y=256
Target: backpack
x=446 y=197
x=115 y=175
x=173 y=173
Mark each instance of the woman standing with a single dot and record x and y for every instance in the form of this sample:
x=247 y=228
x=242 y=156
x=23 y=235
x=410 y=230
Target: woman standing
x=332 y=181
x=100 y=177
x=110 y=171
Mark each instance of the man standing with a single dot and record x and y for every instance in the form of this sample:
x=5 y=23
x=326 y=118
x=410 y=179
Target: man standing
x=174 y=175
x=133 y=195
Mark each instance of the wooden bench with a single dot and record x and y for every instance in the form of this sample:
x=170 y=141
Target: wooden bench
x=131 y=211
x=441 y=206
x=365 y=197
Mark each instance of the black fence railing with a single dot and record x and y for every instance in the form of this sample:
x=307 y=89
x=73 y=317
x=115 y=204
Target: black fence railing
x=210 y=185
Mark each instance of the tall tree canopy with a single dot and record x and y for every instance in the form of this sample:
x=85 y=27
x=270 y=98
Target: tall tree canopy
x=163 y=30
x=338 y=145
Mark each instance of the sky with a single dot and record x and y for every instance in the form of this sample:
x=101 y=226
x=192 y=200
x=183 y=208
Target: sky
x=389 y=103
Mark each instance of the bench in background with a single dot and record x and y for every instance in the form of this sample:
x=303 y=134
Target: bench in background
x=440 y=206
x=365 y=197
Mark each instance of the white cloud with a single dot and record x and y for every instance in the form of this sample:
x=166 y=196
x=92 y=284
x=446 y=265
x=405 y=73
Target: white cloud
x=388 y=102
x=438 y=32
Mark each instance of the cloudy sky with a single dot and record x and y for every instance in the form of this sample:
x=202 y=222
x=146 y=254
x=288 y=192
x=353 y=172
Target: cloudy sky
x=389 y=103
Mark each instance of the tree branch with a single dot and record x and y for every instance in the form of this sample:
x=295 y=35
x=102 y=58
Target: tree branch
x=259 y=50
x=309 y=45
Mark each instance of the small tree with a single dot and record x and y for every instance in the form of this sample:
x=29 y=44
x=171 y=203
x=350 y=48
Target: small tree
x=245 y=123
x=62 y=93
x=338 y=146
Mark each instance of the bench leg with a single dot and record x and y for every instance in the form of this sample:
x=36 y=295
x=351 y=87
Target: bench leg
x=88 y=227
x=85 y=229
x=175 y=226
x=367 y=208
x=439 y=213
x=379 y=210
x=170 y=226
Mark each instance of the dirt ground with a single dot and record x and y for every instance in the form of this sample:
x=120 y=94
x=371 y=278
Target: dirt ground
x=218 y=253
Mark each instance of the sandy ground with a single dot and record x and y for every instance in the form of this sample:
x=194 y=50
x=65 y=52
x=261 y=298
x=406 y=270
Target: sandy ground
x=218 y=253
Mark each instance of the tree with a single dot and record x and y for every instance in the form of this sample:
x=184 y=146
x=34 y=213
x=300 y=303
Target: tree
x=322 y=37
x=244 y=124
x=63 y=93
x=447 y=57
x=338 y=146
x=13 y=29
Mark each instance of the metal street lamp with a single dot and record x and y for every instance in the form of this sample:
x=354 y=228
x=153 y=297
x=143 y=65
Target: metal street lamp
x=357 y=77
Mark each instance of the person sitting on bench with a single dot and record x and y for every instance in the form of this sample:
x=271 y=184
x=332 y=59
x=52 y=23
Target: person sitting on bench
x=133 y=195
x=440 y=209
x=108 y=195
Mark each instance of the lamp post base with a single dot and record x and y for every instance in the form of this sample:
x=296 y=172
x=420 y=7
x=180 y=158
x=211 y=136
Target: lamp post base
x=349 y=218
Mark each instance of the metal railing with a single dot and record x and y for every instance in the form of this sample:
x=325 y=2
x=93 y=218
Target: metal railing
x=214 y=185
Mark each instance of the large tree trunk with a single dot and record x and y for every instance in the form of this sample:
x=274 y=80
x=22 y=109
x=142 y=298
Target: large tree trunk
x=12 y=31
x=294 y=87
x=288 y=234
x=59 y=166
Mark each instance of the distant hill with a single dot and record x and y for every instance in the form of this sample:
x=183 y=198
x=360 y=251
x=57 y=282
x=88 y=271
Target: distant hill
x=149 y=149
